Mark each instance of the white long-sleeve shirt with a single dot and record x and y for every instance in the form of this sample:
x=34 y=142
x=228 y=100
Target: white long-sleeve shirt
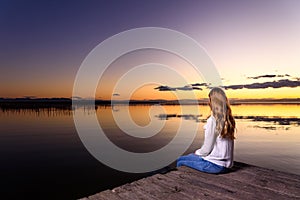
x=216 y=149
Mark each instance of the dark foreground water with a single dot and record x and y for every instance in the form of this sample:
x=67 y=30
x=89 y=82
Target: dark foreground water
x=42 y=156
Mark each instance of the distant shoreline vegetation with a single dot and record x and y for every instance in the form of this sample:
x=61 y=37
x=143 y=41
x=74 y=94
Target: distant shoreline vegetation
x=66 y=103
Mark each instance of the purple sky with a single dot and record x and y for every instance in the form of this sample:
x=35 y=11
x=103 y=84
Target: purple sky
x=42 y=43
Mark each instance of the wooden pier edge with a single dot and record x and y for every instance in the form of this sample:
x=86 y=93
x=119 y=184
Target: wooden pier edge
x=242 y=182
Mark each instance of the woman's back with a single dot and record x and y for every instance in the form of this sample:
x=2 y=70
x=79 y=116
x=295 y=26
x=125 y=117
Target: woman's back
x=222 y=153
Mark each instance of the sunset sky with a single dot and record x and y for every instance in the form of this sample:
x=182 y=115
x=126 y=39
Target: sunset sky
x=43 y=43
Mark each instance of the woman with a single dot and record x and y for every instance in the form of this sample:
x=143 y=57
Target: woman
x=216 y=154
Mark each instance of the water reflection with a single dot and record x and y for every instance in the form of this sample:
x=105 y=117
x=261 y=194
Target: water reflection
x=184 y=116
x=51 y=111
x=271 y=127
x=53 y=108
x=140 y=115
x=40 y=144
x=271 y=122
x=276 y=120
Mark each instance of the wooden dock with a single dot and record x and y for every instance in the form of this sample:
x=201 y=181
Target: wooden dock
x=243 y=182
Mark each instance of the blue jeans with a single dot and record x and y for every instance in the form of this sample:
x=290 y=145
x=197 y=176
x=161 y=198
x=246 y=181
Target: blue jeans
x=197 y=162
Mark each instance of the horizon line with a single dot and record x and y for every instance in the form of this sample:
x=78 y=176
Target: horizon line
x=146 y=100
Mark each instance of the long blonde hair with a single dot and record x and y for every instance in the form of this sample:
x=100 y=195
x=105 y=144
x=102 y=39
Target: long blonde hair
x=220 y=107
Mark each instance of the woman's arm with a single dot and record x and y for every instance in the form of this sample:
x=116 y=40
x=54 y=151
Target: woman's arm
x=209 y=138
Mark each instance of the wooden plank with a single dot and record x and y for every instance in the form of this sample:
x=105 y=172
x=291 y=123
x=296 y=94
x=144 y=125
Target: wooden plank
x=203 y=183
x=237 y=188
x=150 y=189
x=190 y=191
x=174 y=188
x=131 y=191
x=282 y=182
x=268 y=182
x=284 y=176
x=107 y=194
x=244 y=182
x=170 y=191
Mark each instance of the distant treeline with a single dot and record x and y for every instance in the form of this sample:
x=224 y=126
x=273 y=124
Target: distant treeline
x=66 y=103
x=40 y=103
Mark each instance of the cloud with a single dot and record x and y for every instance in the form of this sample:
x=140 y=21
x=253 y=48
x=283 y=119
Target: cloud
x=296 y=78
x=274 y=84
x=188 y=88
x=196 y=88
x=184 y=88
x=116 y=95
x=234 y=87
x=199 y=84
x=268 y=76
x=164 y=88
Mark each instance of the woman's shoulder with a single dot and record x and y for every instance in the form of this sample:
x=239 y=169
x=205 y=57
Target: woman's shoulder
x=211 y=118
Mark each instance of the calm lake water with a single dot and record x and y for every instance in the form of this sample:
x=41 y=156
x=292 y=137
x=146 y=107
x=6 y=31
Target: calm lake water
x=42 y=155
